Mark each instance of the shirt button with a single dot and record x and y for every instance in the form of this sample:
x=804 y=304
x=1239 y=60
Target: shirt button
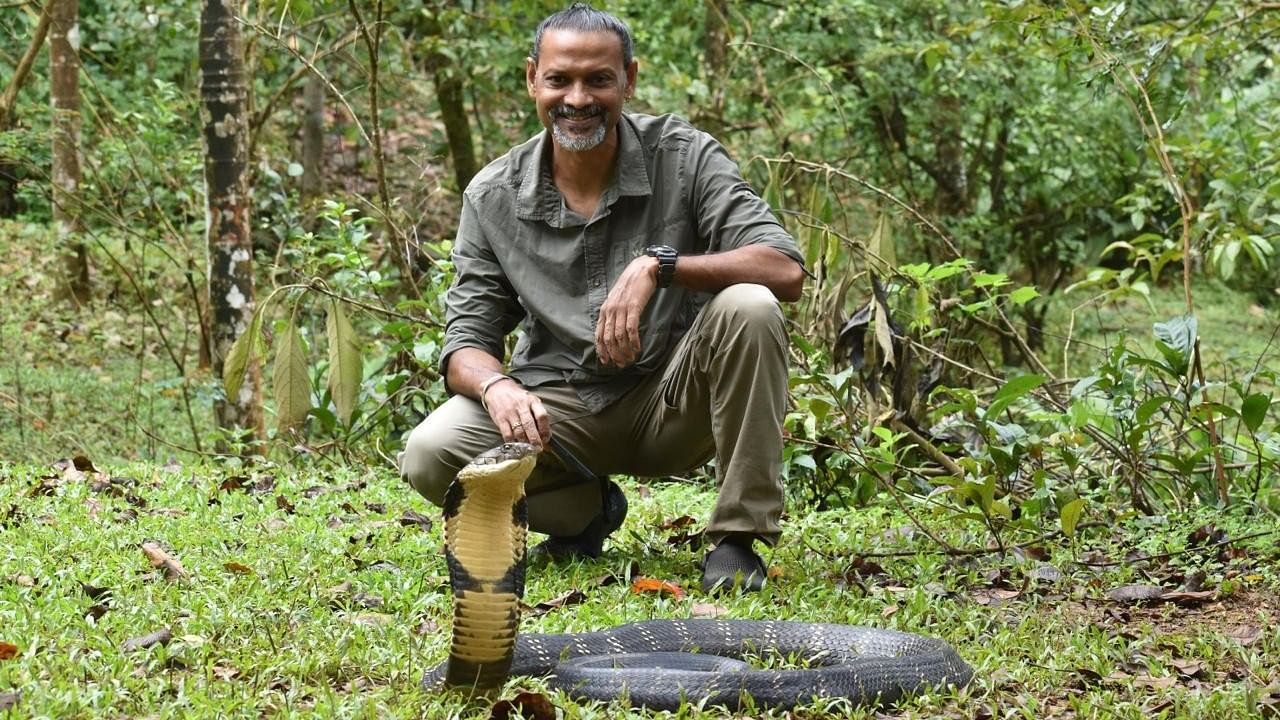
x=595 y=283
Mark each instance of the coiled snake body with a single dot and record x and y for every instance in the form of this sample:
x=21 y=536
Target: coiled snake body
x=657 y=663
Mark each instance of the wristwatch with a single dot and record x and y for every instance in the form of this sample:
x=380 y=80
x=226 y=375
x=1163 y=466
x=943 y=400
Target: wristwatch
x=666 y=256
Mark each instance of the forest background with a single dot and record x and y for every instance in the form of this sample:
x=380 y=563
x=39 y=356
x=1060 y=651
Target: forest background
x=1039 y=333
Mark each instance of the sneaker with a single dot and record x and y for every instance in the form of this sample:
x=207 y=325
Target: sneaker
x=733 y=564
x=590 y=542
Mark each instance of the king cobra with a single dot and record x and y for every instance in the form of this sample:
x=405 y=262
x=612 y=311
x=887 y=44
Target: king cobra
x=658 y=664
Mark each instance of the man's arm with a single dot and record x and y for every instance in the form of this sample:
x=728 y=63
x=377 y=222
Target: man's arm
x=518 y=413
x=480 y=309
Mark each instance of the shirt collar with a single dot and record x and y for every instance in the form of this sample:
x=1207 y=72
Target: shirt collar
x=539 y=199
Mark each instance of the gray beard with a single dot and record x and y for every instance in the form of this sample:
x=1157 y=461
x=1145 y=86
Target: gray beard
x=579 y=143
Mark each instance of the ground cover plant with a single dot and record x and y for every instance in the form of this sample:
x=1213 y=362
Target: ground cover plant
x=1033 y=404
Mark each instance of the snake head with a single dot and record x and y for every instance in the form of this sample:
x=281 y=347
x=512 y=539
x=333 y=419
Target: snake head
x=505 y=452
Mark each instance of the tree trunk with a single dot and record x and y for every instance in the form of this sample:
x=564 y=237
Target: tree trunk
x=448 y=82
x=231 y=300
x=313 y=138
x=64 y=92
x=715 y=39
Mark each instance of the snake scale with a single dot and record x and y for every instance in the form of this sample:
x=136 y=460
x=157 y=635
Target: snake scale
x=658 y=664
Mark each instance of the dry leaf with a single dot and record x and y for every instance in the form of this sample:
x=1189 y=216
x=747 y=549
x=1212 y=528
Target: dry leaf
x=889 y=610
x=9 y=699
x=1245 y=634
x=708 y=610
x=8 y=651
x=159 y=637
x=1189 y=668
x=528 y=705
x=237 y=568
x=994 y=596
x=283 y=503
x=1135 y=593
x=654 y=585
x=22 y=580
x=161 y=559
x=573 y=597
x=411 y=518
x=371 y=618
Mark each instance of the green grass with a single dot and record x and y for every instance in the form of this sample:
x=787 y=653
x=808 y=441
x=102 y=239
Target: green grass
x=279 y=638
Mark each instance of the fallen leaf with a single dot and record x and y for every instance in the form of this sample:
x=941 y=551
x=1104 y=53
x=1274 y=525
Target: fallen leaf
x=994 y=596
x=1190 y=598
x=1155 y=683
x=1046 y=573
x=369 y=601
x=265 y=484
x=889 y=610
x=376 y=507
x=96 y=611
x=426 y=627
x=527 y=705
x=96 y=593
x=1245 y=634
x=411 y=518
x=163 y=560
x=233 y=483
x=654 y=585
x=8 y=651
x=9 y=699
x=225 y=672
x=708 y=610
x=1189 y=668
x=1135 y=593
x=159 y=637
x=237 y=568
x=283 y=503
x=275 y=524
x=677 y=523
x=22 y=580
x=573 y=597
x=371 y=618
x=83 y=464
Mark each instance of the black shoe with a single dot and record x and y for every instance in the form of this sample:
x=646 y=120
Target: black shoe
x=733 y=564
x=590 y=542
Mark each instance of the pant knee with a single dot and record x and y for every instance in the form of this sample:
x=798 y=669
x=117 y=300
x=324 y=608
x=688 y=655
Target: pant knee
x=426 y=464
x=750 y=306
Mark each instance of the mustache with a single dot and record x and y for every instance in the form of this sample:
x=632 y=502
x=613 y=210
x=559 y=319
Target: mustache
x=565 y=111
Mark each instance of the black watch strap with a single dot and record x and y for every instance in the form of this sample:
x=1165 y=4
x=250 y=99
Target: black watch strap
x=666 y=257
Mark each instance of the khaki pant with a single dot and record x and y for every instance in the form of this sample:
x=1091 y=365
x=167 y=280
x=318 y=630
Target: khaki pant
x=723 y=393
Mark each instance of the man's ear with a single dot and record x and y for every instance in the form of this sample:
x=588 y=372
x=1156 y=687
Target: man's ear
x=530 y=74
x=632 y=69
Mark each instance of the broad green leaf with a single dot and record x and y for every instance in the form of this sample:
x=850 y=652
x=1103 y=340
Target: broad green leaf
x=1254 y=411
x=1011 y=391
x=1149 y=408
x=1023 y=295
x=292 y=388
x=1070 y=517
x=985 y=279
x=243 y=351
x=1178 y=333
x=345 y=363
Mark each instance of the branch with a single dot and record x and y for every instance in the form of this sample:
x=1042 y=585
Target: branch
x=24 y=65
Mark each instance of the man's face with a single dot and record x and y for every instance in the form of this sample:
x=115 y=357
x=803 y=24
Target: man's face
x=579 y=85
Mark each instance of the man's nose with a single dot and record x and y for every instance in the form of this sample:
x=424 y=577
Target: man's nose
x=577 y=96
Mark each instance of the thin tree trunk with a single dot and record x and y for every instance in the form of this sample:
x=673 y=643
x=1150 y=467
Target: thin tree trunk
x=9 y=171
x=313 y=138
x=64 y=92
x=231 y=299
x=449 y=93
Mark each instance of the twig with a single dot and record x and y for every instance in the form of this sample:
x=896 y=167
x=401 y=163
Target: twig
x=1176 y=553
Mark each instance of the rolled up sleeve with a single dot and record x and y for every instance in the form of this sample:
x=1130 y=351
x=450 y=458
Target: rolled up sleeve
x=481 y=308
x=729 y=213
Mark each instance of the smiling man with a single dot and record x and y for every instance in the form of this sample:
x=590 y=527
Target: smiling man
x=646 y=276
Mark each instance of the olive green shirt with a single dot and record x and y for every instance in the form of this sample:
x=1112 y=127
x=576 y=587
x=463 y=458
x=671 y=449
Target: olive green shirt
x=522 y=257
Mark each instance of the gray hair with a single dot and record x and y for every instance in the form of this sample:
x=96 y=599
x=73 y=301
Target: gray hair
x=581 y=17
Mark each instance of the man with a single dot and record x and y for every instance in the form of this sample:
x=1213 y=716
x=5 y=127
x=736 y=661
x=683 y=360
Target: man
x=647 y=276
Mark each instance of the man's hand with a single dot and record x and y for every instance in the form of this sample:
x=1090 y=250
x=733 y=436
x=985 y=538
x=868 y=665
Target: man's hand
x=618 y=327
x=518 y=414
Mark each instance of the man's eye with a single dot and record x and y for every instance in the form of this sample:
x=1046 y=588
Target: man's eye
x=554 y=80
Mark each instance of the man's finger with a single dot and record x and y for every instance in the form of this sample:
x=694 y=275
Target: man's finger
x=542 y=419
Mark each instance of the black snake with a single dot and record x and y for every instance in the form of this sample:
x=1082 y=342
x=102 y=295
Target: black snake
x=658 y=663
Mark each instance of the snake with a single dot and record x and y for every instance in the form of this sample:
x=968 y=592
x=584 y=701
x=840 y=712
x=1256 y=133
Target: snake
x=656 y=664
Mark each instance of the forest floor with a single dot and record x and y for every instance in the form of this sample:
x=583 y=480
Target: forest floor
x=206 y=590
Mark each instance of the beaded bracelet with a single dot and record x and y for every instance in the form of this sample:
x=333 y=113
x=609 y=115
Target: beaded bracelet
x=484 y=388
